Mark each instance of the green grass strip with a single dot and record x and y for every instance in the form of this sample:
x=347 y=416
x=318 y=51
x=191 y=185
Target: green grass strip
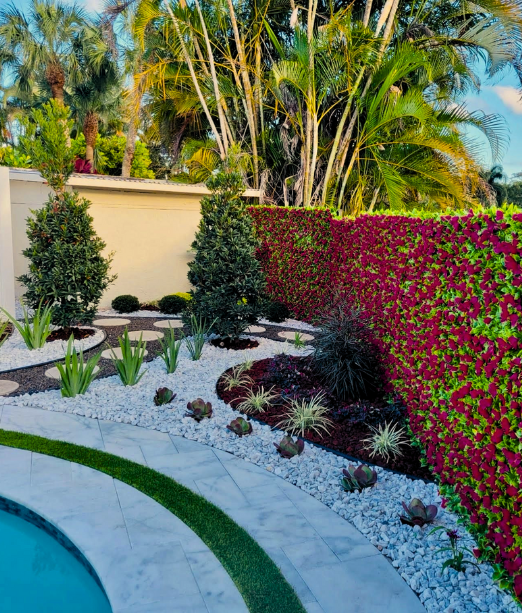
x=263 y=587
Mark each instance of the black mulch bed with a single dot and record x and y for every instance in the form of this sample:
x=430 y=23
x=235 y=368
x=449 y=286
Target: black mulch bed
x=345 y=436
x=33 y=379
x=236 y=344
x=64 y=334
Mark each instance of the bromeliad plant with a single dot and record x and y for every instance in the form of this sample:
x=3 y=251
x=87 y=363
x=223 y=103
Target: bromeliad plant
x=163 y=395
x=386 y=441
x=305 y=415
x=199 y=409
x=417 y=514
x=357 y=478
x=457 y=561
x=35 y=330
x=131 y=361
x=169 y=352
x=76 y=375
x=240 y=426
x=257 y=401
x=288 y=448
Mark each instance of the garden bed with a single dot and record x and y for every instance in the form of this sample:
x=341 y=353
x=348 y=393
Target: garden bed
x=347 y=434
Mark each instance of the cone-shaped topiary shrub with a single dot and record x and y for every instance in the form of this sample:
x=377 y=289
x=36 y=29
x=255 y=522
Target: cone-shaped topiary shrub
x=227 y=278
x=66 y=267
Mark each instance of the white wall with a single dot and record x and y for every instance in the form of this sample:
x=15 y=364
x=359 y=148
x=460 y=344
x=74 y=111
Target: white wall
x=149 y=225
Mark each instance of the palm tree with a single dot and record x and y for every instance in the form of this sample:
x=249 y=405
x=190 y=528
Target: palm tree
x=40 y=44
x=496 y=181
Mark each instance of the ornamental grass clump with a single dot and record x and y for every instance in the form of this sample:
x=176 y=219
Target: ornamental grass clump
x=67 y=269
x=236 y=378
x=303 y=415
x=196 y=342
x=169 y=352
x=33 y=330
x=344 y=354
x=76 y=375
x=131 y=361
x=257 y=401
x=386 y=441
x=228 y=281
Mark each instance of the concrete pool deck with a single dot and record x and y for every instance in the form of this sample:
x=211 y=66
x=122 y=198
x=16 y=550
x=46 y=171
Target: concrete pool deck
x=149 y=561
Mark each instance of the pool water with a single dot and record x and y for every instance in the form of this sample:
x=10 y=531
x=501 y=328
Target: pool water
x=38 y=575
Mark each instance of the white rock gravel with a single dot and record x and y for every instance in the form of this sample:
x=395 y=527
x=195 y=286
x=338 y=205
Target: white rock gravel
x=14 y=352
x=113 y=313
x=375 y=512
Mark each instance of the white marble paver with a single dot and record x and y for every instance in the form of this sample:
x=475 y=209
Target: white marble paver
x=330 y=564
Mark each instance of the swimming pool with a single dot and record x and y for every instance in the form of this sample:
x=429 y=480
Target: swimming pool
x=39 y=574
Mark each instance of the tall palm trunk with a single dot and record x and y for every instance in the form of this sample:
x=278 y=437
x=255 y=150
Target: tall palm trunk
x=90 y=131
x=130 y=146
x=55 y=77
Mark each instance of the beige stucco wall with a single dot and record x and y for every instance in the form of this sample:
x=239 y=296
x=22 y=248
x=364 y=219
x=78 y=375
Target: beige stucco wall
x=148 y=226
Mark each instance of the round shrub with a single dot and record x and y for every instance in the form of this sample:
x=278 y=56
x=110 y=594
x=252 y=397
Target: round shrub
x=277 y=312
x=126 y=304
x=172 y=304
x=185 y=295
x=345 y=356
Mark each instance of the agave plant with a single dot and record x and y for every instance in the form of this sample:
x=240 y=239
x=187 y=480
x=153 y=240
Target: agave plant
x=240 y=426
x=288 y=448
x=163 y=396
x=199 y=409
x=356 y=478
x=417 y=514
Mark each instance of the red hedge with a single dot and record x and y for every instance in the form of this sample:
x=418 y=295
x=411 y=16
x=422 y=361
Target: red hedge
x=445 y=295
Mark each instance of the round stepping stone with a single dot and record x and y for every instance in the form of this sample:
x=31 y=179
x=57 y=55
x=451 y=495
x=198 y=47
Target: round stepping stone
x=255 y=329
x=291 y=335
x=108 y=355
x=169 y=323
x=6 y=387
x=111 y=321
x=145 y=335
x=54 y=373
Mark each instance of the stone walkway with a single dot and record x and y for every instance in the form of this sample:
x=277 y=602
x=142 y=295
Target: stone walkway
x=330 y=564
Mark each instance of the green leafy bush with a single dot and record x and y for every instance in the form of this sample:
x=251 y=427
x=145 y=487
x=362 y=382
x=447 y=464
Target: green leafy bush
x=277 y=312
x=172 y=304
x=67 y=270
x=125 y=304
x=227 y=278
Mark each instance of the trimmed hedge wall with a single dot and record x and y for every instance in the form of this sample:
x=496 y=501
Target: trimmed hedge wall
x=446 y=298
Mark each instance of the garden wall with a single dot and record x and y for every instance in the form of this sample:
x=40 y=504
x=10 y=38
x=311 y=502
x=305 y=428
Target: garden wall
x=445 y=295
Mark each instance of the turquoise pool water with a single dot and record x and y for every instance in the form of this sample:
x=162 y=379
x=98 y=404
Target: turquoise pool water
x=39 y=575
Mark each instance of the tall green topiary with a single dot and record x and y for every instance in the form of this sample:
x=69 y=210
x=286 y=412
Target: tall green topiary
x=66 y=266
x=227 y=278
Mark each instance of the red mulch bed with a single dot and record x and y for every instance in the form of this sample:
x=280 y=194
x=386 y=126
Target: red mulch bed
x=64 y=334
x=345 y=436
x=235 y=344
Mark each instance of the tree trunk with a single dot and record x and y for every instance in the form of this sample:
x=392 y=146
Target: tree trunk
x=130 y=146
x=90 y=131
x=55 y=77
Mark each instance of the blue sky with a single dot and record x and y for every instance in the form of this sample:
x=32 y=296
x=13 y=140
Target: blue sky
x=499 y=95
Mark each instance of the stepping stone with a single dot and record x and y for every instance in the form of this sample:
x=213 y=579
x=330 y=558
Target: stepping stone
x=54 y=373
x=255 y=329
x=111 y=321
x=6 y=387
x=291 y=335
x=145 y=335
x=107 y=354
x=169 y=323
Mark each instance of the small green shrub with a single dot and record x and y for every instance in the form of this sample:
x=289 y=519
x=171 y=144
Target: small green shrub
x=185 y=295
x=125 y=304
x=35 y=331
x=75 y=374
x=172 y=304
x=129 y=365
x=277 y=312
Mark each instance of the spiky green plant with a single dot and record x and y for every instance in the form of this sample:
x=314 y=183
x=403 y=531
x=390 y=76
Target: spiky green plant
x=33 y=330
x=3 y=332
x=236 y=378
x=169 y=352
x=298 y=341
x=257 y=402
x=196 y=341
x=305 y=415
x=76 y=375
x=386 y=441
x=129 y=365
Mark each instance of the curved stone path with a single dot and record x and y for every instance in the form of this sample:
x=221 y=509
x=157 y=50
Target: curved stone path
x=330 y=564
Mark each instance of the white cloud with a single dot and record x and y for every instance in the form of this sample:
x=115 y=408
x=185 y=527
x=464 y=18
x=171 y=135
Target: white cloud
x=93 y=5
x=510 y=96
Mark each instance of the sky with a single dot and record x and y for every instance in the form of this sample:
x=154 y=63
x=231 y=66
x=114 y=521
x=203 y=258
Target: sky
x=499 y=95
